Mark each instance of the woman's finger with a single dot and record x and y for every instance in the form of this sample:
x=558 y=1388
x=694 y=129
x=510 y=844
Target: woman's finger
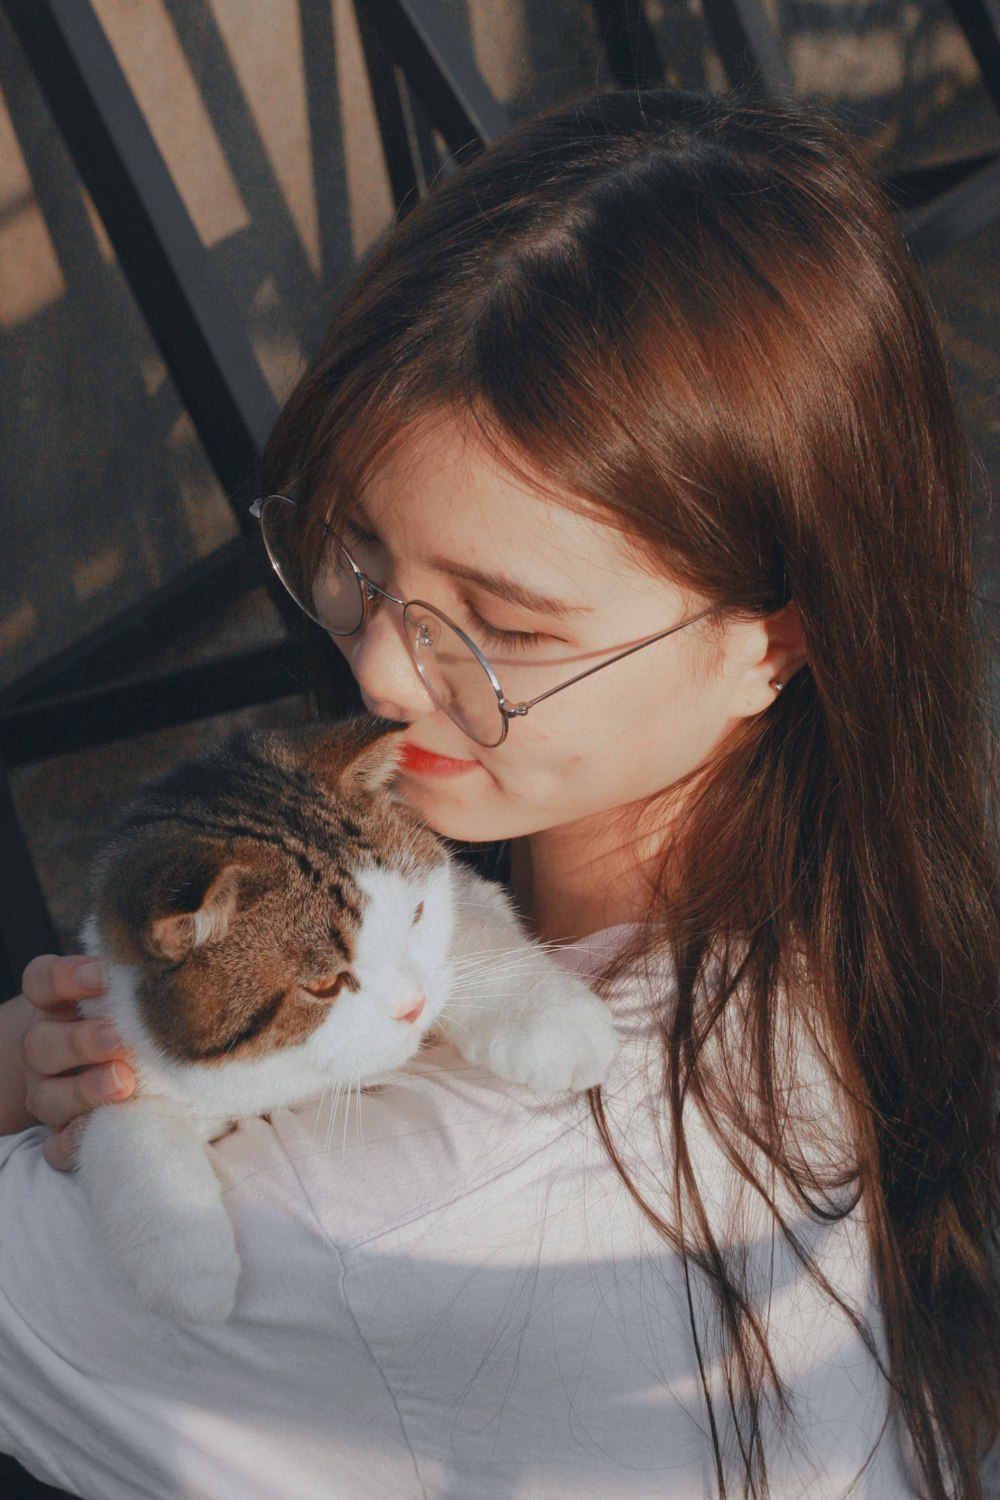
x=61 y=1147
x=57 y=1101
x=50 y=1047
x=53 y=983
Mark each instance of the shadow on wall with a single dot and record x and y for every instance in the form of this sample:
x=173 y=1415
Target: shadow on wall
x=109 y=491
x=264 y=116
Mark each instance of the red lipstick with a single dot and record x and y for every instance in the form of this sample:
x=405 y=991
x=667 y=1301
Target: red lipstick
x=425 y=763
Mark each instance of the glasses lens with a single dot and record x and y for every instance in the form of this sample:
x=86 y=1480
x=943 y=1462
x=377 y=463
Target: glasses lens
x=313 y=567
x=455 y=677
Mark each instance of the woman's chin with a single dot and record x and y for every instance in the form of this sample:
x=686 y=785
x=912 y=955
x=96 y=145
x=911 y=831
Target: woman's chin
x=464 y=829
x=438 y=816
x=466 y=825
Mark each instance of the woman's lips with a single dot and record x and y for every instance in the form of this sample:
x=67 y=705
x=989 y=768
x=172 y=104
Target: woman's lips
x=425 y=763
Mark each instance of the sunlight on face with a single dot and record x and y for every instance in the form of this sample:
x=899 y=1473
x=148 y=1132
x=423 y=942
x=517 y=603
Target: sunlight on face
x=441 y=509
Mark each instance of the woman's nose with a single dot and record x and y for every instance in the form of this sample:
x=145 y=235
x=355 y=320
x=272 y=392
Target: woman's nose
x=383 y=668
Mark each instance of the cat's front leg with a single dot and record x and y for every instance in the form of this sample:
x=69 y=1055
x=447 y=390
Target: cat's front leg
x=159 y=1207
x=515 y=1009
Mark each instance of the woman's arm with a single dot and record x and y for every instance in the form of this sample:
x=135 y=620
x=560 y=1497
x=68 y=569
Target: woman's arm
x=54 y=1065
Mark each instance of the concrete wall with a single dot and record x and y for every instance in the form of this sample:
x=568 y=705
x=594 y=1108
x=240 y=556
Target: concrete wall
x=105 y=491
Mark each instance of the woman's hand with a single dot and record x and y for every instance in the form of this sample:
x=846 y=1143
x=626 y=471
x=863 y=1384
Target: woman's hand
x=70 y=1063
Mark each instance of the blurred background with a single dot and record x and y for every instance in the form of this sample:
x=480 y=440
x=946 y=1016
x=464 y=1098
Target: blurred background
x=264 y=115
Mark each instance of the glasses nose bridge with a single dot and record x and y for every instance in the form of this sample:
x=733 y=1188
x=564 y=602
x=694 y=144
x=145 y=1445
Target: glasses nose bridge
x=374 y=591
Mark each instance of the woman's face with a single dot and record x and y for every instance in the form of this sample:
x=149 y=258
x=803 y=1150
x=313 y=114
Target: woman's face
x=442 y=521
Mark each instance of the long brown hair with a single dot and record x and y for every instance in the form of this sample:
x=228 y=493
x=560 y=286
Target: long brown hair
x=698 y=315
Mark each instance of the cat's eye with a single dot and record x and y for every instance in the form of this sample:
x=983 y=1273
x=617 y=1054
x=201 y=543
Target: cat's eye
x=327 y=989
x=417 y=914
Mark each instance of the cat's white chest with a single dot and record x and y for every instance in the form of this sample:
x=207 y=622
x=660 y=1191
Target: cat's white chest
x=503 y=1001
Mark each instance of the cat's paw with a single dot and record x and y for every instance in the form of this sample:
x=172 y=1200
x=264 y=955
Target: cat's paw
x=189 y=1272
x=564 y=1044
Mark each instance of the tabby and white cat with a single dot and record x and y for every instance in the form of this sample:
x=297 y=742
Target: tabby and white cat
x=274 y=923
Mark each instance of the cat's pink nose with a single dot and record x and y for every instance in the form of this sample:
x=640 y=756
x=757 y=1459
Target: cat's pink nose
x=412 y=1010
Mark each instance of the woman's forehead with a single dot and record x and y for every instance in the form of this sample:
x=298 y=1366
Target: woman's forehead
x=443 y=493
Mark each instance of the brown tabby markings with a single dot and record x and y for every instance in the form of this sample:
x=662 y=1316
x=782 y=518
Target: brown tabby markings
x=232 y=884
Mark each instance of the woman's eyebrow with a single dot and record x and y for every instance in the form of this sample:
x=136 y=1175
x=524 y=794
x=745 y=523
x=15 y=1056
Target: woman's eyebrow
x=507 y=588
x=499 y=585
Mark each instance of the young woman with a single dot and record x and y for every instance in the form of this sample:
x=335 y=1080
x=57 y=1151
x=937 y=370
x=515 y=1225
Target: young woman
x=647 y=405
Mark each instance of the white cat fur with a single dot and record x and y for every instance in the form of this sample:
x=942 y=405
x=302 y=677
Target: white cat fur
x=503 y=1001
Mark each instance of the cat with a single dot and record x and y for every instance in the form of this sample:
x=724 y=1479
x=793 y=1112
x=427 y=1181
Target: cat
x=276 y=922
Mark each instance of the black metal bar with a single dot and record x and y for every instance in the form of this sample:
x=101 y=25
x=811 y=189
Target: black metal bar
x=25 y=925
x=962 y=211
x=748 y=47
x=915 y=187
x=171 y=273
x=440 y=71
x=629 y=43
x=242 y=145
x=408 y=150
x=419 y=132
x=121 y=645
x=980 y=23
x=326 y=154
x=75 y=721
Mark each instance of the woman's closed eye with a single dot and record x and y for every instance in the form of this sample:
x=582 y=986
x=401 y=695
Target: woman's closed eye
x=359 y=538
x=495 y=636
x=486 y=634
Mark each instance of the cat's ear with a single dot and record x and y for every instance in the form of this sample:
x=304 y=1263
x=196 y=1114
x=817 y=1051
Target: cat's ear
x=372 y=766
x=353 y=757
x=173 y=937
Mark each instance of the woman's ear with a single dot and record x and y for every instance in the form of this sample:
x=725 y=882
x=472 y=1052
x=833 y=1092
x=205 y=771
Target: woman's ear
x=775 y=649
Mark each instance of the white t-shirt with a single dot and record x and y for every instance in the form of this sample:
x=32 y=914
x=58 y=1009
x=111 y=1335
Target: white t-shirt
x=446 y=1292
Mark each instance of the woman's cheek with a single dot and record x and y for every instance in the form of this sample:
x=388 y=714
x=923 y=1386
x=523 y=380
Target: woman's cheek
x=554 y=791
x=503 y=803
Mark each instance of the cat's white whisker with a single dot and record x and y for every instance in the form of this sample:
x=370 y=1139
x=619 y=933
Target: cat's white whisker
x=327 y=1091
x=464 y=979
x=347 y=1116
x=475 y=978
x=329 y=1118
x=500 y=955
x=514 y=983
x=482 y=1007
x=332 y=1116
x=343 y=1096
x=459 y=1024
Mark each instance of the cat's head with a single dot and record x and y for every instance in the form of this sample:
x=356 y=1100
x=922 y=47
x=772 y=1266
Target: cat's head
x=278 y=893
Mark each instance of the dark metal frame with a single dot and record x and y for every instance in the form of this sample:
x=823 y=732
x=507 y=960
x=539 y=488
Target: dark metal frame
x=426 y=87
x=99 y=689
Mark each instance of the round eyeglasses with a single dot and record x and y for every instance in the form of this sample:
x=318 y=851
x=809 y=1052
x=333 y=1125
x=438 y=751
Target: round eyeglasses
x=339 y=597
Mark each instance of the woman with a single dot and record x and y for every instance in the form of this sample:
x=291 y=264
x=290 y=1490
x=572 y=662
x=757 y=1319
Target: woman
x=650 y=387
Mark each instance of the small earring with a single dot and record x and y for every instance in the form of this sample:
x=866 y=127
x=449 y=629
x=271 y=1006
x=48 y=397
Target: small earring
x=778 y=686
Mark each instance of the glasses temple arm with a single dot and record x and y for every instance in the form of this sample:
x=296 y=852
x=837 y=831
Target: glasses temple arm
x=516 y=710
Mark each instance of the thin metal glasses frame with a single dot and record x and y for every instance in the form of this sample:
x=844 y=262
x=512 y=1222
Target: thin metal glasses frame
x=370 y=590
